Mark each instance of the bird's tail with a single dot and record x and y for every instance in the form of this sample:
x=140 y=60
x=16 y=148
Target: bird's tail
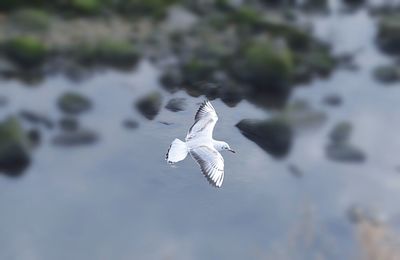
x=177 y=151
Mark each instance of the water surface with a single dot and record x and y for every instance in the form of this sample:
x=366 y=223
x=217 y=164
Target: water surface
x=118 y=199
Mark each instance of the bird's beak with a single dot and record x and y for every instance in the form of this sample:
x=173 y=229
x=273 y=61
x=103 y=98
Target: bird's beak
x=230 y=150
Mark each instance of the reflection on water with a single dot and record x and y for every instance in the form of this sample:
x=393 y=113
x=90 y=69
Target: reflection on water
x=117 y=198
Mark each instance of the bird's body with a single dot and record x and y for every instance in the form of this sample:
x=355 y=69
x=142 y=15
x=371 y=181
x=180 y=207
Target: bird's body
x=200 y=144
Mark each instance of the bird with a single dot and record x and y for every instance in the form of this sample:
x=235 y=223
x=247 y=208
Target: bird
x=199 y=143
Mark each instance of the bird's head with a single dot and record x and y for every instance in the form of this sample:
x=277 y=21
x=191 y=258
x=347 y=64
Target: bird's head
x=225 y=146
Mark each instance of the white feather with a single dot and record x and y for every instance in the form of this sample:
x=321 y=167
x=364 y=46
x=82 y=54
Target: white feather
x=176 y=152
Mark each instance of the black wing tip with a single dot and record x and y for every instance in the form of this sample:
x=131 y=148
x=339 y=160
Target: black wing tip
x=167 y=157
x=211 y=182
x=214 y=184
x=205 y=102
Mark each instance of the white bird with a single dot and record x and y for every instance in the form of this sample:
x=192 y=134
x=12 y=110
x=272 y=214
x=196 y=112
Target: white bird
x=200 y=144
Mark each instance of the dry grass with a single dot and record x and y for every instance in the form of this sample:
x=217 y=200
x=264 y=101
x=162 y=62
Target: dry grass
x=308 y=239
x=376 y=241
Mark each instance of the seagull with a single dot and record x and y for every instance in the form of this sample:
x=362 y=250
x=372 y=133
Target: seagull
x=200 y=144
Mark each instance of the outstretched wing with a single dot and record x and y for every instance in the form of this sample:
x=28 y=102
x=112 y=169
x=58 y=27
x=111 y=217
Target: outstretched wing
x=204 y=122
x=211 y=163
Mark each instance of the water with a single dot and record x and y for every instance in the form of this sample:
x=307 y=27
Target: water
x=118 y=199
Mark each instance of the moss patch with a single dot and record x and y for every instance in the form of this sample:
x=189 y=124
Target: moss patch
x=26 y=51
x=266 y=66
x=14 y=147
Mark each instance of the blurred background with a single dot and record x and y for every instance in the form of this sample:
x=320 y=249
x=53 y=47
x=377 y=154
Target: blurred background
x=92 y=92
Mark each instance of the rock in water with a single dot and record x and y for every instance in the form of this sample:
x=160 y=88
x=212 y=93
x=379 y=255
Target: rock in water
x=267 y=68
x=387 y=73
x=76 y=138
x=273 y=136
x=341 y=132
x=34 y=137
x=332 y=100
x=69 y=124
x=388 y=37
x=28 y=52
x=36 y=118
x=339 y=149
x=73 y=103
x=130 y=124
x=176 y=105
x=344 y=152
x=354 y=3
x=150 y=105
x=14 y=148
